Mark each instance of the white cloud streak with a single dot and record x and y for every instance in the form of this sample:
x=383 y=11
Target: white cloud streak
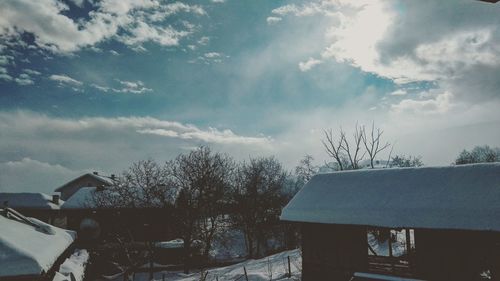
x=64 y=79
x=309 y=64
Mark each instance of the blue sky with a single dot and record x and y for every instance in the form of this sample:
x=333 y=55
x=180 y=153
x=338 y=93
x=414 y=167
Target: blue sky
x=94 y=85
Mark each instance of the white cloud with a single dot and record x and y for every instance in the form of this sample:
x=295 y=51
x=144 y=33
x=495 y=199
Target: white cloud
x=131 y=22
x=114 y=53
x=143 y=32
x=212 y=135
x=30 y=175
x=101 y=88
x=218 y=1
x=441 y=103
x=5 y=77
x=309 y=64
x=390 y=39
x=136 y=87
x=398 y=92
x=46 y=151
x=273 y=20
x=24 y=79
x=31 y=71
x=212 y=55
x=64 y=79
x=204 y=40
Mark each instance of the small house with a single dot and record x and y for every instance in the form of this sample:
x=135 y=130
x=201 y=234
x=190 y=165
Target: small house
x=443 y=223
x=86 y=180
x=38 y=205
x=95 y=223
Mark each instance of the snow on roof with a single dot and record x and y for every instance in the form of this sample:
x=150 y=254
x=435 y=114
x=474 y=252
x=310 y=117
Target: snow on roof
x=454 y=197
x=29 y=200
x=103 y=179
x=82 y=199
x=24 y=250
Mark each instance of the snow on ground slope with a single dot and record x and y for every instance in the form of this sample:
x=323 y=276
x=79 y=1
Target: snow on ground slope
x=73 y=268
x=275 y=266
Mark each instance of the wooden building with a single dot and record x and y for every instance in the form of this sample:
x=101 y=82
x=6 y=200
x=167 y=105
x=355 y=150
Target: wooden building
x=31 y=250
x=449 y=218
x=86 y=180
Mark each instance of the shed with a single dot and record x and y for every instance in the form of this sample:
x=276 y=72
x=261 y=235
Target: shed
x=450 y=217
x=29 y=248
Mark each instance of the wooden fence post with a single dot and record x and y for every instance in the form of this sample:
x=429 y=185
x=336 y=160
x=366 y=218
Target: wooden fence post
x=289 y=268
x=246 y=275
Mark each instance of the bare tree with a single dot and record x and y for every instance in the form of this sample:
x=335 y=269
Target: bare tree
x=341 y=149
x=144 y=185
x=334 y=147
x=372 y=142
x=353 y=152
x=203 y=179
x=306 y=169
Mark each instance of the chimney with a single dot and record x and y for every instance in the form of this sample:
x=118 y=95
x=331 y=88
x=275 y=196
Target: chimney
x=113 y=177
x=95 y=173
x=55 y=199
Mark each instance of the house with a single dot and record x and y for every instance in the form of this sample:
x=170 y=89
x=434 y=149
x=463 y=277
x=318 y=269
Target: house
x=95 y=223
x=37 y=205
x=448 y=219
x=31 y=250
x=86 y=180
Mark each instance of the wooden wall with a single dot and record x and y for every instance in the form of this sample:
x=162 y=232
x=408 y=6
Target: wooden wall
x=456 y=255
x=332 y=252
x=335 y=252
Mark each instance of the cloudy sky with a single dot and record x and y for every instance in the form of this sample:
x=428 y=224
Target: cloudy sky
x=94 y=85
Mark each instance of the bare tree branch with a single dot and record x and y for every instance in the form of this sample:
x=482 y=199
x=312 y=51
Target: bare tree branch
x=372 y=144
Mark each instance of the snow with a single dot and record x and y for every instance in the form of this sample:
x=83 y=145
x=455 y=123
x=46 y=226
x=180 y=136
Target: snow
x=175 y=244
x=383 y=277
x=454 y=197
x=230 y=248
x=104 y=180
x=172 y=244
x=81 y=199
x=29 y=200
x=73 y=268
x=257 y=270
x=24 y=250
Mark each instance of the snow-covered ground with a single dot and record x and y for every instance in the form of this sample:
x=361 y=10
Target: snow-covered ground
x=73 y=268
x=273 y=267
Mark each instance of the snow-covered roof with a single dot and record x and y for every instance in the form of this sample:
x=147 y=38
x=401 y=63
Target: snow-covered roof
x=29 y=200
x=25 y=250
x=103 y=179
x=454 y=197
x=82 y=199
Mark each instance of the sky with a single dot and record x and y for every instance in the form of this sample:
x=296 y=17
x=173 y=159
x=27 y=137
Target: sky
x=89 y=85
